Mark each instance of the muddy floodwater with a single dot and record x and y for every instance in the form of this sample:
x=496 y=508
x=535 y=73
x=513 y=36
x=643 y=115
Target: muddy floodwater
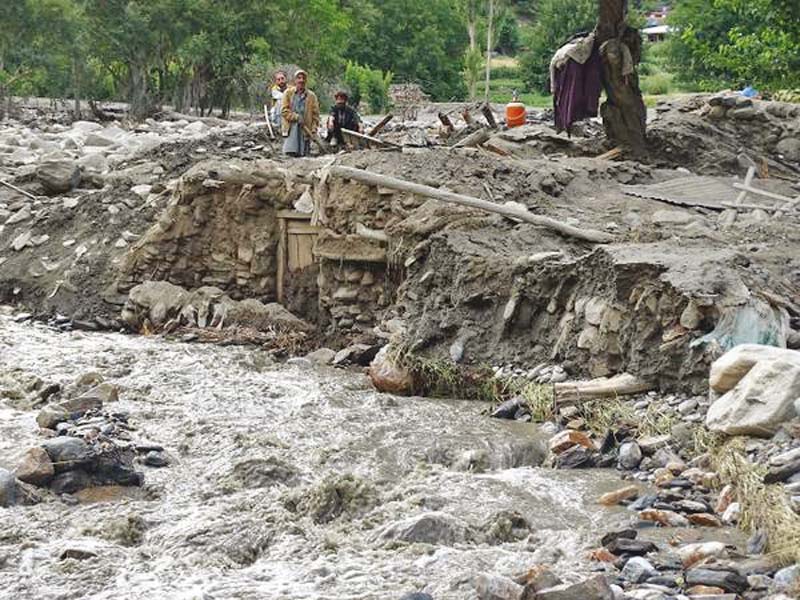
x=285 y=482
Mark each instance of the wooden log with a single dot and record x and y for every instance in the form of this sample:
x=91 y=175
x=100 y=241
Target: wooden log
x=495 y=149
x=748 y=180
x=282 y=257
x=473 y=139
x=269 y=122
x=488 y=114
x=446 y=122
x=573 y=392
x=771 y=195
x=375 y=179
x=11 y=186
x=379 y=127
x=368 y=138
x=465 y=114
x=612 y=154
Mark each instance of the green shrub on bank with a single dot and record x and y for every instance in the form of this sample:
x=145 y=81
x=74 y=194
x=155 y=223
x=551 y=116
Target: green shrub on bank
x=369 y=88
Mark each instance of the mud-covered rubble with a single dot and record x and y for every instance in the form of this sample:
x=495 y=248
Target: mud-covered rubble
x=676 y=288
x=726 y=133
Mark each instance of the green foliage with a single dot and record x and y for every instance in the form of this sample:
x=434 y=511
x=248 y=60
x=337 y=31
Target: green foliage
x=737 y=42
x=557 y=21
x=420 y=41
x=370 y=86
x=473 y=68
x=507 y=35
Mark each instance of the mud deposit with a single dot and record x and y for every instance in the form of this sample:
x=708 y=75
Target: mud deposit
x=284 y=483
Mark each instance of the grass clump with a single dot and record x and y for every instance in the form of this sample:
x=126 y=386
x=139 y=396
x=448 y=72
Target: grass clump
x=763 y=507
x=608 y=415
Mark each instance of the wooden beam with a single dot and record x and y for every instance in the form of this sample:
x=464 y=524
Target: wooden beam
x=750 y=189
x=282 y=257
x=368 y=138
x=11 y=186
x=379 y=127
x=573 y=392
x=748 y=180
x=375 y=179
x=488 y=114
x=473 y=139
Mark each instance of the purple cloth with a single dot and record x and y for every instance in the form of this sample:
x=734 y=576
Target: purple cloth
x=577 y=91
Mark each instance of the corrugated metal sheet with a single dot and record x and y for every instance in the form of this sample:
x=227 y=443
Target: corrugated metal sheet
x=706 y=192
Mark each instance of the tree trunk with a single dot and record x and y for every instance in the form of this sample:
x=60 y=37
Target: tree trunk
x=489 y=26
x=624 y=113
x=139 y=97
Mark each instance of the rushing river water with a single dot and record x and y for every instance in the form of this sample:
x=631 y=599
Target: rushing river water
x=286 y=483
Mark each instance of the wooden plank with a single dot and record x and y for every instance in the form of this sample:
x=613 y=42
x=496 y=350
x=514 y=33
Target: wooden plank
x=306 y=243
x=296 y=228
x=293 y=214
x=282 y=241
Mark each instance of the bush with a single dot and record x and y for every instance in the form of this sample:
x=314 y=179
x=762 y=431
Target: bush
x=657 y=84
x=368 y=85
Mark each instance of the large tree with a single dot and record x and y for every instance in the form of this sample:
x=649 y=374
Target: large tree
x=624 y=113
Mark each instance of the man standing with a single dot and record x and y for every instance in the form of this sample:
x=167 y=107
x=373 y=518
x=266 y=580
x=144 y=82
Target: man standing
x=276 y=96
x=300 y=112
x=342 y=117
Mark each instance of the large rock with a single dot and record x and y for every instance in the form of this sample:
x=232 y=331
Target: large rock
x=8 y=489
x=596 y=588
x=36 y=467
x=387 y=376
x=790 y=148
x=52 y=415
x=760 y=402
x=730 y=368
x=58 y=176
x=428 y=528
x=492 y=587
x=68 y=453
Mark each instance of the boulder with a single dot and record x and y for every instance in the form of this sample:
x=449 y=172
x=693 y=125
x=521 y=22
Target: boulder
x=596 y=588
x=492 y=587
x=760 y=402
x=727 y=580
x=36 y=467
x=788 y=579
x=732 y=366
x=790 y=148
x=321 y=356
x=8 y=489
x=389 y=377
x=68 y=453
x=428 y=528
x=50 y=416
x=638 y=570
x=58 y=176
x=630 y=455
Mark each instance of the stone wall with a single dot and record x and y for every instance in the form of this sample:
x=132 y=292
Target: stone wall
x=219 y=229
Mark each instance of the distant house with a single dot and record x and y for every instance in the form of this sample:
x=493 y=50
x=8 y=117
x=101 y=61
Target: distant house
x=657 y=33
